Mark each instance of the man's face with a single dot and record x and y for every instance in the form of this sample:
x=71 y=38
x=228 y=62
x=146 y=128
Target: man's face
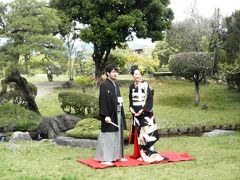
x=113 y=74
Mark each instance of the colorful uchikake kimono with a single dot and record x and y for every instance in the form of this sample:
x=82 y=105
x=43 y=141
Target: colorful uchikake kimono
x=143 y=131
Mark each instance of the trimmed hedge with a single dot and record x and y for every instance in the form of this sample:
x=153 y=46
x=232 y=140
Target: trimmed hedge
x=81 y=103
x=191 y=65
x=16 y=118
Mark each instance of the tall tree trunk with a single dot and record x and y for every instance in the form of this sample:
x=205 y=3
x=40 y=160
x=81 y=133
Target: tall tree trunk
x=81 y=67
x=196 y=93
x=97 y=58
x=26 y=59
x=70 y=69
x=100 y=58
x=98 y=69
x=70 y=45
x=215 y=61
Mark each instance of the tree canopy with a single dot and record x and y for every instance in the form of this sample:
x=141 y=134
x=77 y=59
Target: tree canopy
x=163 y=51
x=28 y=27
x=232 y=47
x=194 y=66
x=109 y=23
x=232 y=38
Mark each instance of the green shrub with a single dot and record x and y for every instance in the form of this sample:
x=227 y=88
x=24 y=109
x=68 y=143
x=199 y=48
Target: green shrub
x=164 y=69
x=232 y=74
x=84 y=82
x=16 y=118
x=81 y=103
x=88 y=128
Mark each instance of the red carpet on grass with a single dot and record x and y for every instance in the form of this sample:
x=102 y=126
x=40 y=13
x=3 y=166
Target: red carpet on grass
x=172 y=157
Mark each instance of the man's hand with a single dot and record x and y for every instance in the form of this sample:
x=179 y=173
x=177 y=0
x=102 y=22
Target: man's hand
x=107 y=119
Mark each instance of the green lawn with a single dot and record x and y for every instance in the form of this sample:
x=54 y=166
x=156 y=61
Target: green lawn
x=216 y=158
x=50 y=106
x=174 y=104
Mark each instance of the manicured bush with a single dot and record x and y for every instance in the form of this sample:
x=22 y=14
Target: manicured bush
x=194 y=66
x=81 y=103
x=16 y=118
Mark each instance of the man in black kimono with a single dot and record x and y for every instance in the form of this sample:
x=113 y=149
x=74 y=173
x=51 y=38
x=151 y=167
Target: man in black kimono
x=110 y=140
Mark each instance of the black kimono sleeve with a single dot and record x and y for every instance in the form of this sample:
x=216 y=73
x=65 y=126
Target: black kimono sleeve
x=130 y=96
x=149 y=101
x=103 y=104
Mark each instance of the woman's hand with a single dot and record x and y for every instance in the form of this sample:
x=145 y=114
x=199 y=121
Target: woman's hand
x=132 y=111
x=107 y=119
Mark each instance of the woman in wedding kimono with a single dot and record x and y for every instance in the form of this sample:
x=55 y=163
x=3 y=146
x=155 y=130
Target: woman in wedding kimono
x=144 y=129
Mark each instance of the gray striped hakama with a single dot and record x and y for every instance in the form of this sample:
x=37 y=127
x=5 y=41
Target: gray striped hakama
x=110 y=144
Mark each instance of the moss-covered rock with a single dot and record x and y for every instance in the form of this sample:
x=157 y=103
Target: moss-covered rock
x=88 y=128
x=85 y=129
x=16 y=118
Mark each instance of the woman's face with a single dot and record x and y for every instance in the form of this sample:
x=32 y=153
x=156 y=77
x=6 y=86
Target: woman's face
x=137 y=76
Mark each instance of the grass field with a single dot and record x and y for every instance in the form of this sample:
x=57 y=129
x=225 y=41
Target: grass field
x=174 y=104
x=216 y=158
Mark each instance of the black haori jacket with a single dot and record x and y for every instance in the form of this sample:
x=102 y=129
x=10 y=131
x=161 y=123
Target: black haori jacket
x=108 y=106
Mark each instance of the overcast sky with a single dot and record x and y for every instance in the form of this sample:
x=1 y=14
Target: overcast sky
x=181 y=10
x=205 y=8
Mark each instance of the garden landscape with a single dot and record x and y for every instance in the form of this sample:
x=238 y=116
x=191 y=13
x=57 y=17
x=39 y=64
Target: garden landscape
x=50 y=87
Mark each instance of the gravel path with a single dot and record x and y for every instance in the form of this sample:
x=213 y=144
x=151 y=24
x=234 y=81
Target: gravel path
x=44 y=88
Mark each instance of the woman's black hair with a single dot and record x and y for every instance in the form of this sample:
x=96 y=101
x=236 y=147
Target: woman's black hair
x=133 y=68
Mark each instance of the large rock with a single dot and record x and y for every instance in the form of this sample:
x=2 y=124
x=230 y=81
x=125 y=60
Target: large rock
x=218 y=132
x=20 y=136
x=52 y=127
x=69 y=141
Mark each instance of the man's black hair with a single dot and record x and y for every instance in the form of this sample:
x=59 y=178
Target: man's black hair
x=110 y=67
